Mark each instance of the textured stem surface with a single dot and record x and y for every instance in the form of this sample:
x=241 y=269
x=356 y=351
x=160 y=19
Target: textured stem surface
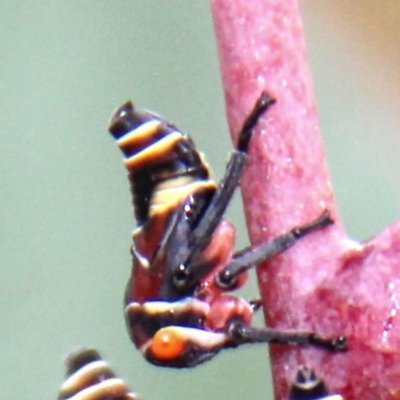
x=326 y=283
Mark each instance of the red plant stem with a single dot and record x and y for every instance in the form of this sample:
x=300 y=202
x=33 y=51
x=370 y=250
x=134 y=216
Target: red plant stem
x=326 y=283
x=261 y=47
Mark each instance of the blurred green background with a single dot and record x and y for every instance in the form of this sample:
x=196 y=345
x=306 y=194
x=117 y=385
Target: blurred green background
x=65 y=204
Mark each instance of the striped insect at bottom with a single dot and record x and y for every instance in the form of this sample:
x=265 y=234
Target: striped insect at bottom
x=89 y=377
x=308 y=386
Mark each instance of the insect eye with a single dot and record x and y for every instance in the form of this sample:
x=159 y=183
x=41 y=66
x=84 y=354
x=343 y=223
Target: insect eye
x=181 y=277
x=225 y=280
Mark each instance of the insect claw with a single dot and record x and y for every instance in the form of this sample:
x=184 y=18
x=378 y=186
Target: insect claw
x=325 y=219
x=260 y=107
x=338 y=344
x=256 y=304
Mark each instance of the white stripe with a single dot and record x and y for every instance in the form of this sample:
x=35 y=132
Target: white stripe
x=153 y=308
x=111 y=388
x=93 y=369
x=141 y=132
x=156 y=148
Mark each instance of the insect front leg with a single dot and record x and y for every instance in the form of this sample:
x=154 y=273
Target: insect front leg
x=252 y=256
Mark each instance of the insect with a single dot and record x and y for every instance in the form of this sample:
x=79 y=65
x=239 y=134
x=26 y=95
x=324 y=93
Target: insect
x=89 y=377
x=178 y=308
x=308 y=386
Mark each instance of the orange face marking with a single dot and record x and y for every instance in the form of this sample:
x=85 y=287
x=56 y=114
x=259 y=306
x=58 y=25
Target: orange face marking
x=167 y=345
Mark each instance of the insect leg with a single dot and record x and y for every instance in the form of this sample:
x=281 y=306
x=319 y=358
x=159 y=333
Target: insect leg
x=241 y=333
x=180 y=278
x=256 y=304
x=174 y=241
x=252 y=256
x=175 y=247
x=215 y=210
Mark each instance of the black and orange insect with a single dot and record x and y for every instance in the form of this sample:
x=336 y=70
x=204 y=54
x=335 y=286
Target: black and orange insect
x=89 y=377
x=178 y=308
x=308 y=386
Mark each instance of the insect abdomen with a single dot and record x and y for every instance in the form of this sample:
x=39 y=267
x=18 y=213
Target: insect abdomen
x=90 y=378
x=163 y=163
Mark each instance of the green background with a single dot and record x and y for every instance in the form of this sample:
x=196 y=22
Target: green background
x=65 y=205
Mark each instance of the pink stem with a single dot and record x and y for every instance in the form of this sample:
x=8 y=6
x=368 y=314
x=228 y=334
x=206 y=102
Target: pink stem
x=326 y=283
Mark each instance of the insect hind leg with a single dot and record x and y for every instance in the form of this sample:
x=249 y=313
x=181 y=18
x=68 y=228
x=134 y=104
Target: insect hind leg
x=262 y=104
x=226 y=187
x=241 y=333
